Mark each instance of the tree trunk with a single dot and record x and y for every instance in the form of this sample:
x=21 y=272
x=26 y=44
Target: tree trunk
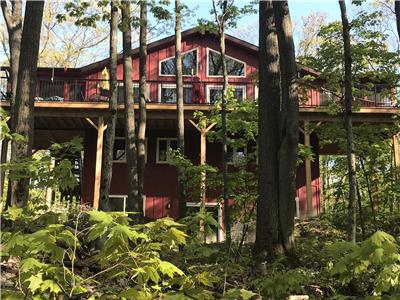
x=25 y=93
x=289 y=125
x=371 y=201
x=142 y=104
x=227 y=211
x=13 y=21
x=133 y=203
x=268 y=136
x=360 y=210
x=112 y=107
x=179 y=105
x=348 y=124
x=397 y=13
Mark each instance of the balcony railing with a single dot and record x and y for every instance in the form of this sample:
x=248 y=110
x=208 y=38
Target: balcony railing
x=95 y=90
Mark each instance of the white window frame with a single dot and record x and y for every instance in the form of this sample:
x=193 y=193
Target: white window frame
x=124 y=161
x=220 y=87
x=220 y=236
x=168 y=139
x=173 y=57
x=125 y=197
x=227 y=56
x=170 y=86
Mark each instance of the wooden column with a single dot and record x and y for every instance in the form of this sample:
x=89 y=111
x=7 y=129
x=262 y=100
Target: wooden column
x=99 y=157
x=307 y=164
x=203 y=150
x=396 y=150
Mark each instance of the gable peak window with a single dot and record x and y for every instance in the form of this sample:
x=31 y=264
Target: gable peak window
x=189 y=64
x=234 y=67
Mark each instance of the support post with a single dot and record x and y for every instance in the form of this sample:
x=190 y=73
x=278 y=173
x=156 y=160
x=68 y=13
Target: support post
x=308 y=170
x=203 y=150
x=396 y=150
x=99 y=157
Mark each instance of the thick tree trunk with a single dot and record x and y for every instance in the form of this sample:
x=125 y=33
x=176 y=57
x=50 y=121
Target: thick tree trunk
x=289 y=125
x=348 y=124
x=25 y=93
x=142 y=104
x=106 y=173
x=227 y=211
x=268 y=136
x=133 y=203
x=179 y=104
x=13 y=21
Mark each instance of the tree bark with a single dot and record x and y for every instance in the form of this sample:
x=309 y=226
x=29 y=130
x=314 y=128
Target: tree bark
x=13 y=21
x=179 y=104
x=133 y=203
x=112 y=107
x=397 y=13
x=348 y=124
x=289 y=125
x=25 y=93
x=142 y=105
x=227 y=211
x=268 y=136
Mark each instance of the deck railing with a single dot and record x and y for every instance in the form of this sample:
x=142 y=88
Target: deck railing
x=95 y=90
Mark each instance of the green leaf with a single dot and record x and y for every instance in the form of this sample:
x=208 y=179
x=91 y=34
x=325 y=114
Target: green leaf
x=31 y=263
x=134 y=294
x=34 y=282
x=169 y=269
x=51 y=285
x=100 y=216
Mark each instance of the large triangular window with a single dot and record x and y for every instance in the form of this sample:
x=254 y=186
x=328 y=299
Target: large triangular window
x=189 y=64
x=234 y=67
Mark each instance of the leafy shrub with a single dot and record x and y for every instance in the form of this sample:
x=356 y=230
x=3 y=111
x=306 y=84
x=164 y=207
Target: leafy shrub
x=377 y=259
x=49 y=259
x=279 y=284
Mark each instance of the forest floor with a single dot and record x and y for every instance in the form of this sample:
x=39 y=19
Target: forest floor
x=307 y=273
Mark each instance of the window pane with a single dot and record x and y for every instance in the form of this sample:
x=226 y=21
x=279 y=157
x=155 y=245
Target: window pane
x=162 y=150
x=214 y=63
x=119 y=150
x=234 y=67
x=189 y=63
x=168 y=95
x=240 y=153
x=187 y=94
x=168 y=67
x=238 y=94
x=116 y=203
x=173 y=144
x=215 y=94
x=136 y=94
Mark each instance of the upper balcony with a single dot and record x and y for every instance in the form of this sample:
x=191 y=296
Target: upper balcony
x=195 y=93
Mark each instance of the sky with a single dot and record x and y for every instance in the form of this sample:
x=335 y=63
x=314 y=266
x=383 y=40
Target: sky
x=247 y=26
x=298 y=8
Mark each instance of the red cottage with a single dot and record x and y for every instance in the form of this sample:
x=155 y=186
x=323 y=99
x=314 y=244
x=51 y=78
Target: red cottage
x=70 y=102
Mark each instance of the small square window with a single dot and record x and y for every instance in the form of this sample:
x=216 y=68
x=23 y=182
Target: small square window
x=163 y=145
x=167 y=93
x=214 y=93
